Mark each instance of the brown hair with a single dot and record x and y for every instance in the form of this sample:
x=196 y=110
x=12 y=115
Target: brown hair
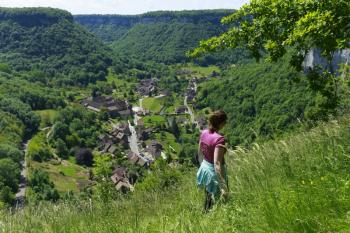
x=216 y=119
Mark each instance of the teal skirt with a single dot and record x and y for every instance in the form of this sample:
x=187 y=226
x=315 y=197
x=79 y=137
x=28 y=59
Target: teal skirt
x=207 y=178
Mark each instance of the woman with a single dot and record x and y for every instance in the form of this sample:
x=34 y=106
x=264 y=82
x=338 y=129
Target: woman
x=212 y=172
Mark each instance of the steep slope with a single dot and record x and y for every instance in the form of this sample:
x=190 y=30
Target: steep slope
x=161 y=36
x=263 y=100
x=299 y=184
x=47 y=39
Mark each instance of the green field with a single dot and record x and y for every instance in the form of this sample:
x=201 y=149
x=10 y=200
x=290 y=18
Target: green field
x=47 y=117
x=152 y=104
x=199 y=71
x=154 y=120
x=64 y=175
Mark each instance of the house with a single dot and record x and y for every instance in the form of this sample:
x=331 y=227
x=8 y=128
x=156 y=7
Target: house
x=181 y=120
x=202 y=122
x=114 y=107
x=153 y=149
x=165 y=92
x=133 y=157
x=191 y=94
x=113 y=149
x=147 y=87
x=120 y=180
x=122 y=128
x=106 y=147
x=142 y=162
x=181 y=110
x=140 y=123
x=119 y=174
x=144 y=134
x=123 y=187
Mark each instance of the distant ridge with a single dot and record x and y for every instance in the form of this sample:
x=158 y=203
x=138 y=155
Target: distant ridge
x=161 y=36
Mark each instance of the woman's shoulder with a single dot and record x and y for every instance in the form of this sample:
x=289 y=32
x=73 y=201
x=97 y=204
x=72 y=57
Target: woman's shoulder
x=219 y=138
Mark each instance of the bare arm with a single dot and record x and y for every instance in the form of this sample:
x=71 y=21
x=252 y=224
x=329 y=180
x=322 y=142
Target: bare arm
x=219 y=153
x=200 y=156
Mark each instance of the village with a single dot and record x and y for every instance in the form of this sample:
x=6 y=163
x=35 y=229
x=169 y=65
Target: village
x=132 y=137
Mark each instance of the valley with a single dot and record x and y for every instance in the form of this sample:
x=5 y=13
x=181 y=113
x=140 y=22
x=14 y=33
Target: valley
x=100 y=117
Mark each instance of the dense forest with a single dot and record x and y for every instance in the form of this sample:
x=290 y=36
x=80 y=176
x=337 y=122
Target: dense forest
x=48 y=40
x=262 y=100
x=161 y=36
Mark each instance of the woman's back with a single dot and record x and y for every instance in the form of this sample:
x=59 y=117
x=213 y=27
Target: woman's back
x=208 y=142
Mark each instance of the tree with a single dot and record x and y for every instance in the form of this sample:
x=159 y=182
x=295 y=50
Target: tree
x=60 y=130
x=9 y=174
x=272 y=27
x=61 y=149
x=84 y=157
x=8 y=151
x=6 y=195
x=42 y=154
x=173 y=127
x=43 y=188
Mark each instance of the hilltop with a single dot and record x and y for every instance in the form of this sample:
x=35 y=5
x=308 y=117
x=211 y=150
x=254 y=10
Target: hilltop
x=48 y=40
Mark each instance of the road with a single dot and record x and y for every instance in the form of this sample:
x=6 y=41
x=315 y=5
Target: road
x=20 y=195
x=189 y=109
x=133 y=141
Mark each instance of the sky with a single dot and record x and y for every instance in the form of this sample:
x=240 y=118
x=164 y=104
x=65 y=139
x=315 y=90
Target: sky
x=125 y=6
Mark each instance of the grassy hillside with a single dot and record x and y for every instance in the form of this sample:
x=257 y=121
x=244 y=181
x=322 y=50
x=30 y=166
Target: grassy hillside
x=299 y=184
x=48 y=40
x=161 y=36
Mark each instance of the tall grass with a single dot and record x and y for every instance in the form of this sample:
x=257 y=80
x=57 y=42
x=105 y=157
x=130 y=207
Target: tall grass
x=300 y=184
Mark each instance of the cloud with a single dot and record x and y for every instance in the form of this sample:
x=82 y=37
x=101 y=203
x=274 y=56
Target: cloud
x=124 y=6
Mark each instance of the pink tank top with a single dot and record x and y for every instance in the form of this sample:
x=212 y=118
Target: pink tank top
x=208 y=142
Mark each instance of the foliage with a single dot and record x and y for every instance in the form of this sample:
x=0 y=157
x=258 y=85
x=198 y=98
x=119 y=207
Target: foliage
x=276 y=25
x=48 y=40
x=84 y=157
x=161 y=178
x=42 y=187
x=262 y=101
x=76 y=127
x=9 y=173
x=9 y=151
x=38 y=150
x=273 y=27
x=161 y=36
x=21 y=111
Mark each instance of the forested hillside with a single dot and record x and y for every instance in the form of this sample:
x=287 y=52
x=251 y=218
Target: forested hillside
x=262 y=100
x=48 y=40
x=161 y=36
